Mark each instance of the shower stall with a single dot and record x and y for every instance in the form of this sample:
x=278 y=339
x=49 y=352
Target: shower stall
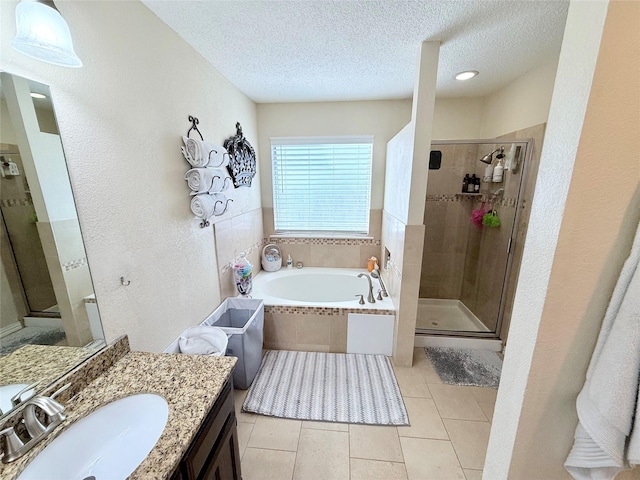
x=472 y=226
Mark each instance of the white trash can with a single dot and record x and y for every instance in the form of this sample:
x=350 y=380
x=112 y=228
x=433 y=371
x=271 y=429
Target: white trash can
x=242 y=319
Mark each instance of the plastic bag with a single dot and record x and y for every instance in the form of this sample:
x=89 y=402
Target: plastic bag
x=242 y=275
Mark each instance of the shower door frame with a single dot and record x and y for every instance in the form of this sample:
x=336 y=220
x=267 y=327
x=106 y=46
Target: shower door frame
x=524 y=163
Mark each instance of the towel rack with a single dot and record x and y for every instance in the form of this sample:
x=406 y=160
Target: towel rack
x=194 y=126
x=221 y=203
x=225 y=206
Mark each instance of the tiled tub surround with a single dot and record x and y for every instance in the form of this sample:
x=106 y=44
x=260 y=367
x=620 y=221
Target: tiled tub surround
x=328 y=252
x=310 y=329
x=189 y=383
x=313 y=326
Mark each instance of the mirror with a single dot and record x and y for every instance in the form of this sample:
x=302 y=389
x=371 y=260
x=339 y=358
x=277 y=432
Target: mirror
x=49 y=320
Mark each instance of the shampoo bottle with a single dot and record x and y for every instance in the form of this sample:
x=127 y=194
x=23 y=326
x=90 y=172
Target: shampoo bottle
x=465 y=183
x=497 y=172
x=471 y=184
x=488 y=174
x=289 y=261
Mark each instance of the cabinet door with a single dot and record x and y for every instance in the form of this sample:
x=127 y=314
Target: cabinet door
x=225 y=462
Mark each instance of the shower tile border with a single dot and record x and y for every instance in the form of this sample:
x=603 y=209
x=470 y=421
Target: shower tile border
x=458 y=197
x=16 y=202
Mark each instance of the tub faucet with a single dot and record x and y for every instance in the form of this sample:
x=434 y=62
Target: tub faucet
x=375 y=274
x=370 y=297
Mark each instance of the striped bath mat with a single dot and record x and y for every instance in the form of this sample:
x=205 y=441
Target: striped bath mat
x=330 y=387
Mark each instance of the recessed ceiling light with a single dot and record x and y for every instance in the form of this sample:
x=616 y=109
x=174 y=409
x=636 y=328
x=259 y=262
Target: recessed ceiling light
x=467 y=75
x=38 y=95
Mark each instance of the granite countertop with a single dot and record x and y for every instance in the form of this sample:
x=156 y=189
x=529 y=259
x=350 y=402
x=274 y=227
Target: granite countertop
x=189 y=383
x=43 y=363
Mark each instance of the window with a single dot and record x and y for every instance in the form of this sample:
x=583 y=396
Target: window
x=322 y=184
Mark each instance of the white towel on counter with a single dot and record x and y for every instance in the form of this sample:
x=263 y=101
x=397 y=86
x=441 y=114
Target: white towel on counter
x=606 y=439
x=199 y=153
x=203 y=205
x=203 y=340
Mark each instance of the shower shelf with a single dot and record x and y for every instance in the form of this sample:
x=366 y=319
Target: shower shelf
x=469 y=194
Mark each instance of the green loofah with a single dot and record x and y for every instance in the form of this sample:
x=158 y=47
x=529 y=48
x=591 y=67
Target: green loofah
x=491 y=219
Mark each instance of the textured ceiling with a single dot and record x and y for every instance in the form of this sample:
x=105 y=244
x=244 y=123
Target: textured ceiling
x=323 y=50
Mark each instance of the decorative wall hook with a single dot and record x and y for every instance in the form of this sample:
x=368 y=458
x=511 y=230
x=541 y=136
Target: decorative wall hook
x=204 y=223
x=194 y=126
x=124 y=283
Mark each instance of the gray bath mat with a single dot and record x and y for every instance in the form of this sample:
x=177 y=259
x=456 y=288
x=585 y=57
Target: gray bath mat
x=330 y=387
x=460 y=366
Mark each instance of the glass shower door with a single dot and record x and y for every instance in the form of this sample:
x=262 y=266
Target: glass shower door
x=466 y=261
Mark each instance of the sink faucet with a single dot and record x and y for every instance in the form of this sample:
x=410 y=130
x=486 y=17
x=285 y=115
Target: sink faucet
x=370 y=297
x=49 y=406
x=14 y=447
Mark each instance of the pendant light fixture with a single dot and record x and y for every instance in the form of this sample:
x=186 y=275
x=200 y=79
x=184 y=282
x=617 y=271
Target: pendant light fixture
x=43 y=34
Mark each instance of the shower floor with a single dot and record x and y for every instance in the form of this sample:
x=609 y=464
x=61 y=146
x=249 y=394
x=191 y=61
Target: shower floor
x=445 y=314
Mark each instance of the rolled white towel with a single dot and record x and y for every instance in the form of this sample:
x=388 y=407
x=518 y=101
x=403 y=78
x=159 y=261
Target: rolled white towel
x=203 y=340
x=203 y=205
x=200 y=180
x=199 y=153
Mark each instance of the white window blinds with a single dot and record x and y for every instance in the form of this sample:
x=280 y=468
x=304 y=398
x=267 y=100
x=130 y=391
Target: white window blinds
x=322 y=184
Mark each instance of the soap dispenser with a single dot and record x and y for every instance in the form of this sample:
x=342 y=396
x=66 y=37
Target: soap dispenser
x=289 y=261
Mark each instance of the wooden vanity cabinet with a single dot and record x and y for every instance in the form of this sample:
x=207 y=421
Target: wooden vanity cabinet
x=214 y=452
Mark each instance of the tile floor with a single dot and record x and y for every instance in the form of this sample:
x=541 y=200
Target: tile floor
x=447 y=438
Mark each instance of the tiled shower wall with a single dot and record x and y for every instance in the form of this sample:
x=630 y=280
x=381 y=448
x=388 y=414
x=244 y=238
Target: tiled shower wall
x=20 y=219
x=446 y=220
x=466 y=262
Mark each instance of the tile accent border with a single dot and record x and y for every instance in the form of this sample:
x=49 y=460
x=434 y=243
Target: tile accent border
x=328 y=311
x=73 y=264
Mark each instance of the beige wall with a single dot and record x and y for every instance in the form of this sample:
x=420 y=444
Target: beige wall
x=382 y=119
x=458 y=118
x=121 y=118
x=572 y=316
x=571 y=260
x=523 y=103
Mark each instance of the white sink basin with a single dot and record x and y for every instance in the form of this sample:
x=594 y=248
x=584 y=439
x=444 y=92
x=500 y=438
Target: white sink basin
x=108 y=444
